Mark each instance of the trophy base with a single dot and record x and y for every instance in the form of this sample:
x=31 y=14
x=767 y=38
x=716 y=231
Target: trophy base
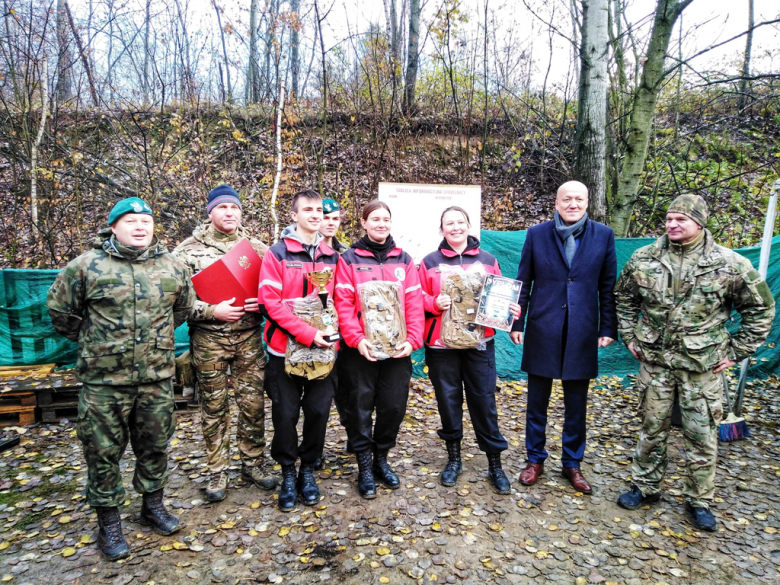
x=332 y=338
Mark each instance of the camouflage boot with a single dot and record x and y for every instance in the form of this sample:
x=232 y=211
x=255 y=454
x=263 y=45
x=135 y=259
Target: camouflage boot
x=258 y=478
x=216 y=490
x=153 y=511
x=110 y=540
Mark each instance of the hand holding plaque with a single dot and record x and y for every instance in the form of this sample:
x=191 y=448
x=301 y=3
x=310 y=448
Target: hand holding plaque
x=320 y=279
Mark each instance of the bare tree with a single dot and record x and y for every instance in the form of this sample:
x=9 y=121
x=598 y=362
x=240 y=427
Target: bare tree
x=65 y=56
x=413 y=56
x=591 y=140
x=745 y=81
x=295 y=45
x=645 y=99
x=252 y=93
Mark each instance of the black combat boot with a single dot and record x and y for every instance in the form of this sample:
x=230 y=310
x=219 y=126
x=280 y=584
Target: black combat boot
x=366 y=485
x=451 y=471
x=496 y=476
x=110 y=540
x=288 y=495
x=307 y=485
x=383 y=472
x=154 y=513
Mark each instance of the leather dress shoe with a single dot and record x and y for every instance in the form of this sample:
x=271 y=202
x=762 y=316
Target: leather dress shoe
x=530 y=475
x=576 y=479
x=702 y=518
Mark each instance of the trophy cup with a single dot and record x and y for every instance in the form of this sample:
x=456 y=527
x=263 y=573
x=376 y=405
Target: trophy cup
x=320 y=278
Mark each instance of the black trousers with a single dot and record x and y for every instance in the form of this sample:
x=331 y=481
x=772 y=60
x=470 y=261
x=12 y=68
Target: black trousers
x=341 y=391
x=381 y=386
x=453 y=371
x=289 y=395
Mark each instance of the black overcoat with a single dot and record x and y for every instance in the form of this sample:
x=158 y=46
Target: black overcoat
x=557 y=301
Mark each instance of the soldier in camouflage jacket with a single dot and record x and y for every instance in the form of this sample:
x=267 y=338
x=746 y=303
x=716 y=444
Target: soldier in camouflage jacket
x=674 y=298
x=226 y=335
x=121 y=302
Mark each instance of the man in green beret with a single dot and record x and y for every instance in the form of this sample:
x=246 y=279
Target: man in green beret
x=121 y=302
x=331 y=220
x=684 y=286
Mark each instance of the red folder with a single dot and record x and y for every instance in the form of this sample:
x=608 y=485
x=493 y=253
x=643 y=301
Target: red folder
x=236 y=274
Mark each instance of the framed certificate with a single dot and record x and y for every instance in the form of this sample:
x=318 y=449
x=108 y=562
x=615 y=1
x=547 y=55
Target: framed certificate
x=498 y=293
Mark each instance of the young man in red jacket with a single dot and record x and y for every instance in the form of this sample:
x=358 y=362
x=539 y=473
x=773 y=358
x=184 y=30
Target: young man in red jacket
x=283 y=277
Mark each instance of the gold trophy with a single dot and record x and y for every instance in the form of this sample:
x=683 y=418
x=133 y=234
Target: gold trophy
x=320 y=279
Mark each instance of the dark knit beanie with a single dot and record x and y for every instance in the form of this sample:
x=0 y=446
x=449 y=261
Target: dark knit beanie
x=222 y=194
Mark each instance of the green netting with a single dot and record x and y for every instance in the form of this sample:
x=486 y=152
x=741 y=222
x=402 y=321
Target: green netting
x=27 y=336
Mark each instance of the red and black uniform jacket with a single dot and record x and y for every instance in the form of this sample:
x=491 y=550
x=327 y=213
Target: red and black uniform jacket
x=283 y=278
x=430 y=279
x=357 y=266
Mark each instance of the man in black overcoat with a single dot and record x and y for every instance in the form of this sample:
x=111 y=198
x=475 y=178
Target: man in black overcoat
x=568 y=269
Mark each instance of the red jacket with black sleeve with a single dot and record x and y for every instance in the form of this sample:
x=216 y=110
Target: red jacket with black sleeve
x=283 y=277
x=430 y=279
x=357 y=266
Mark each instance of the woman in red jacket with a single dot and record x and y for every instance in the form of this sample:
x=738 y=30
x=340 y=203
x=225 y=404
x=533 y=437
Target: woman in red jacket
x=380 y=312
x=464 y=356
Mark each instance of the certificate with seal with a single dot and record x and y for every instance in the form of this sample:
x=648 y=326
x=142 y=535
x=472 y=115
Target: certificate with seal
x=236 y=274
x=498 y=293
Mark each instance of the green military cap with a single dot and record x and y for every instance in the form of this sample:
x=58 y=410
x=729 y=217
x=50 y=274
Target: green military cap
x=691 y=205
x=329 y=206
x=129 y=205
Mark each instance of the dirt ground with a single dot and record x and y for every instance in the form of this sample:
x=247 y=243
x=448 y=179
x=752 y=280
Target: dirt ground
x=423 y=532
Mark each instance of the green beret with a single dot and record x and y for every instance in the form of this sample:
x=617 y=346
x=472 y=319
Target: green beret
x=129 y=205
x=329 y=206
x=691 y=205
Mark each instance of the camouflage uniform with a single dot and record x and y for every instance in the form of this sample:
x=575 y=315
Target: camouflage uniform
x=122 y=304
x=215 y=344
x=685 y=293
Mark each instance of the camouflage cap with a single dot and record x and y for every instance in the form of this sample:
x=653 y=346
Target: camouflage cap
x=691 y=205
x=129 y=205
x=329 y=206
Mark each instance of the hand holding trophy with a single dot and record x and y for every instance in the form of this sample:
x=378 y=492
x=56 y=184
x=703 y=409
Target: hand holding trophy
x=320 y=279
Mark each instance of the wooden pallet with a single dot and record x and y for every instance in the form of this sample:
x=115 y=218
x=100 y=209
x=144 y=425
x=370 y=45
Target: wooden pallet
x=17 y=408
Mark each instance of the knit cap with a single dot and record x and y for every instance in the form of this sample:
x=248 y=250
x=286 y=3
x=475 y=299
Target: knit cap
x=222 y=194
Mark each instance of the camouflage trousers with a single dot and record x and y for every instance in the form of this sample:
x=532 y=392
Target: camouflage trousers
x=700 y=399
x=211 y=355
x=108 y=417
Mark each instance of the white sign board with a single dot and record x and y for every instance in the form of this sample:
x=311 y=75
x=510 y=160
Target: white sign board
x=417 y=209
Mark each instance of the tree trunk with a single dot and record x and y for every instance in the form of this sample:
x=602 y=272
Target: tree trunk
x=147 y=56
x=65 y=58
x=34 y=149
x=253 y=77
x=229 y=97
x=591 y=137
x=645 y=98
x=744 y=84
x=413 y=58
x=83 y=55
x=295 y=46
x=321 y=150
